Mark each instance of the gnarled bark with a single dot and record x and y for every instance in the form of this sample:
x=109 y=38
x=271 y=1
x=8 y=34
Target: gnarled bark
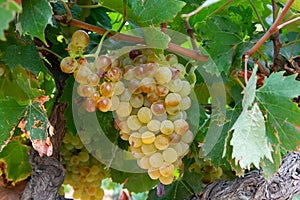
x=253 y=186
x=47 y=172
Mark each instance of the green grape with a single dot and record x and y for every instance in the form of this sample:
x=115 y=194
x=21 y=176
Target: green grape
x=153 y=125
x=81 y=74
x=185 y=103
x=93 y=79
x=83 y=156
x=175 y=85
x=119 y=88
x=186 y=89
x=172 y=59
x=80 y=39
x=188 y=137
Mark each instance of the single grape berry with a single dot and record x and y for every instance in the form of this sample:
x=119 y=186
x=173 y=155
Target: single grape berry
x=80 y=39
x=68 y=65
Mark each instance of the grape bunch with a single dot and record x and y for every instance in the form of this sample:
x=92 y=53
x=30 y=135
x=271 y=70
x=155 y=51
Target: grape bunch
x=83 y=172
x=149 y=96
x=209 y=172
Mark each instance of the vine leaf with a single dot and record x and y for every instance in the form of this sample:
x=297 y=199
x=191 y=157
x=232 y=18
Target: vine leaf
x=282 y=114
x=146 y=12
x=8 y=10
x=15 y=158
x=249 y=131
x=249 y=139
x=180 y=189
x=131 y=180
x=25 y=55
x=35 y=17
x=155 y=38
x=11 y=113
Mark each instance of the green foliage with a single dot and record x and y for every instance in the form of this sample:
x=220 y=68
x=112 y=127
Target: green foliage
x=282 y=114
x=146 y=13
x=131 y=180
x=11 y=113
x=7 y=9
x=15 y=158
x=24 y=55
x=34 y=21
x=259 y=121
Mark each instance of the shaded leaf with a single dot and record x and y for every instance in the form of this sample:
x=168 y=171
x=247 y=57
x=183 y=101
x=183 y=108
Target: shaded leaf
x=27 y=56
x=8 y=10
x=134 y=182
x=35 y=17
x=15 y=157
x=180 y=189
x=10 y=114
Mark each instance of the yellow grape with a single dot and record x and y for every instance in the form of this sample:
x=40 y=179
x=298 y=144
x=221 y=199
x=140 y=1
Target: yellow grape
x=144 y=162
x=163 y=75
x=137 y=152
x=181 y=126
x=188 y=137
x=144 y=114
x=158 y=108
x=167 y=127
x=148 y=149
x=167 y=169
x=186 y=89
x=135 y=140
x=156 y=160
x=136 y=100
x=80 y=39
x=67 y=65
x=169 y=155
x=166 y=180
x=119 y=88
x=107 y=89
x=114 y=74
x=90 y=105
x=153 y=125
x=161 y=90
x=147 y=85
x=153 y=173
x=83 y=156
x=148 y=137
x=124 y=109
x=172 y=99
x=102 y=63
x=185 y=103
x=162 y=142
x=175 y=85
x=133 y=122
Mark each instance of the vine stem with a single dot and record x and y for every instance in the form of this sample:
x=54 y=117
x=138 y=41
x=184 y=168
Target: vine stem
x=120 y=36
x=272 y=29
x=96 y=54
x=288 y=22
x=45 y=49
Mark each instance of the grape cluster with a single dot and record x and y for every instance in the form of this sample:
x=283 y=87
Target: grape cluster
x=149 y=96
x=83 y=172
x=209 y=172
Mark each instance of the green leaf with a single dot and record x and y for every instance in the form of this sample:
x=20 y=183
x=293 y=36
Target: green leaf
x=155 y=38
x=135 y=182
x=180 y=189
x=35 y=17
x=37 y=121
x=147 y=12
x=10 y=114
x=269 y=168
x=15 y=158
x=295 y=5
x=249 y=139
x=25 y=84
x=27 y=56
x=8 y=10
x=282 y=114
